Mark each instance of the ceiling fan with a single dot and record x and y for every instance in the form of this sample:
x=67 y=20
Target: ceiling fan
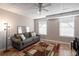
x=41 y=7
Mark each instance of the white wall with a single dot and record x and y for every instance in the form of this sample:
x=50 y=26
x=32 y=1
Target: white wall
x=14 y=20
x=53 y=29
x=77 y=26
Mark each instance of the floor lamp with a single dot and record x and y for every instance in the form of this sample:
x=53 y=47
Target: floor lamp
x=6 y=30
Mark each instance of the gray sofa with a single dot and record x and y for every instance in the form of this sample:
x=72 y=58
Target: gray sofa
x=19 y=43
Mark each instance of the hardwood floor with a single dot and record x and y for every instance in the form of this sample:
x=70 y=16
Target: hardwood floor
x=64 y=50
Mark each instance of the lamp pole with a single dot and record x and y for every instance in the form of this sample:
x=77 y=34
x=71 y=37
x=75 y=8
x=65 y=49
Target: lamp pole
x=6 y=29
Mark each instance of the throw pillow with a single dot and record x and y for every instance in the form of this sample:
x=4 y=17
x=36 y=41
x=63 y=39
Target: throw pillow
x=27 y=35
x=30 y=34
x=22 y=36
x=33 y=34
x=17 y=36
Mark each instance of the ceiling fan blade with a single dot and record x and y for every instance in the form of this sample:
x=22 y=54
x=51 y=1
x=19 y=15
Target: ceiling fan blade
x=47 y=5
x=40 y=6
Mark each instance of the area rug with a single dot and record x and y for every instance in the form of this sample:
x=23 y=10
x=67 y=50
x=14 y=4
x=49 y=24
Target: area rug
x=42 y=48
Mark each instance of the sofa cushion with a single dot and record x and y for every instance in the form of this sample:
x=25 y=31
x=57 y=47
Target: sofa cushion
x=27 y=40
x=35 y=38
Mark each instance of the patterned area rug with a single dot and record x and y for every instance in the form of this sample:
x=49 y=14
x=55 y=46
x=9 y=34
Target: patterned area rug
x=42 y=48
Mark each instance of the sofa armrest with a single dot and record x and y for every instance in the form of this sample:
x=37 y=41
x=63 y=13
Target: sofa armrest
x=16 y=42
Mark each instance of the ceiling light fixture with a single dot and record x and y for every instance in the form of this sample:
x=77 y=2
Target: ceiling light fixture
x=41 y=7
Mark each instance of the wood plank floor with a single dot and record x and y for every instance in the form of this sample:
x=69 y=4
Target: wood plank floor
x=64 y=50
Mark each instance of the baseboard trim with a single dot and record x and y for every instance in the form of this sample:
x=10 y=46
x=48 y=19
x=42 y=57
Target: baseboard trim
x=57 y=41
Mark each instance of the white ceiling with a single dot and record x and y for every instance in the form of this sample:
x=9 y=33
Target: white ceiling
x=29 y=9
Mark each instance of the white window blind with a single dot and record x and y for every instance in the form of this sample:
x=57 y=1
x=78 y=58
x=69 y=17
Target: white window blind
x=27 y=29
x=66 y=26
x=42 y=27
x=19 y=29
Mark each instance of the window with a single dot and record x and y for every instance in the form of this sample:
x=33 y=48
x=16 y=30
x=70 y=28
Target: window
x=27 y=29
x=42 y=27
x=66 y=26
x=19 y=29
